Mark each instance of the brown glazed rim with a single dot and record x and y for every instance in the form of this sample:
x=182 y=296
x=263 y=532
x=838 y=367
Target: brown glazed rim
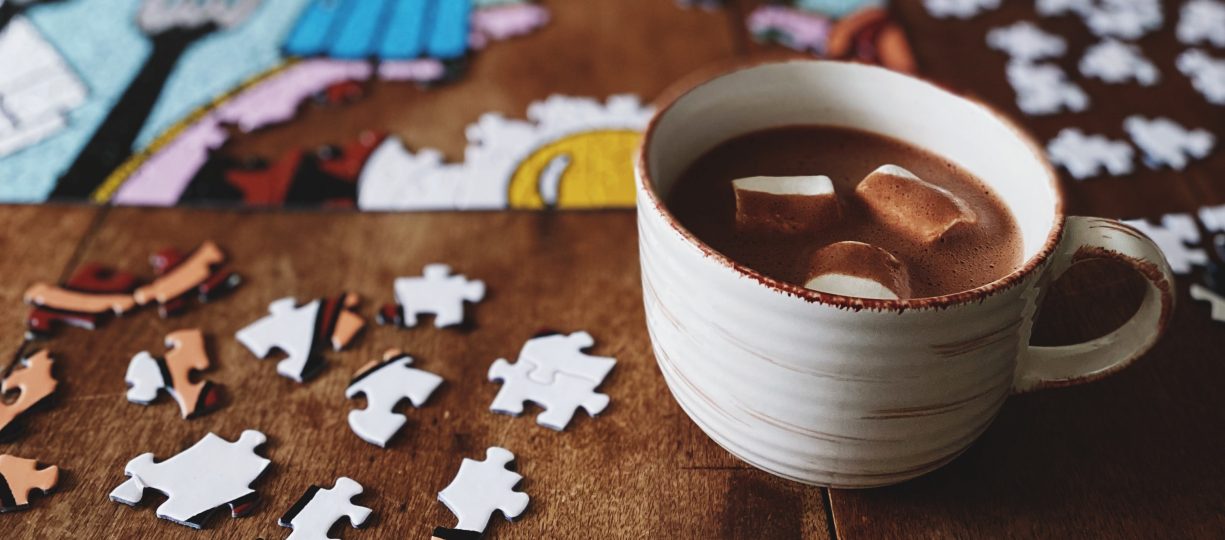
x=681 y=89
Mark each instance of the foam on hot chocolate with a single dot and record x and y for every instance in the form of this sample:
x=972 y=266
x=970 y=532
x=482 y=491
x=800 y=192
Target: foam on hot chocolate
x=860 y=270
x=785 y=204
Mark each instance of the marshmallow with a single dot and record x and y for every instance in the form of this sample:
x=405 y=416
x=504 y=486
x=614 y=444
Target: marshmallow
x=910 y=206
x=785 y=204
x=860 y=270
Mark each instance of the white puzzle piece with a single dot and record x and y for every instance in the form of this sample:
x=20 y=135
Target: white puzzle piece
x=1175 y=235
x=303 y=332
x=1167 y=143
x=482 y=487
x=560 y=398
x=1089 y=155
x=385 y=384
x=561 y=353
x=212 y=473
x=1044 y=89
x=439 y=293
x=1202 y=21
x=1213 y=218
x=1207 y=74
x=961 y=9
x=1125 y=19
x=1025 y=41
x=1055 y=8
x=173 y=373
x=319 y=509
x=1202 y=293
x=1116 y=62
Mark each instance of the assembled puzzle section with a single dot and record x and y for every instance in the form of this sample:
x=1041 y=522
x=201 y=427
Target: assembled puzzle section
x=319 y=509
x=554 y=373
x=91 y=294
x=212 y=473
x=436 y=292
x=19 y=477
x=203 y=272
x=33 y=382
x=385 y=384
x=302 y=332
x=481 y=488
x=147 y=375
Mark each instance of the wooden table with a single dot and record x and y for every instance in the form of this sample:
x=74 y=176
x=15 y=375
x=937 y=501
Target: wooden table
x=1138 y=454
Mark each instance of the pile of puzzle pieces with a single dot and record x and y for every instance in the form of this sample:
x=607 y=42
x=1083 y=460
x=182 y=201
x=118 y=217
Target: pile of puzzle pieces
x=552 y=371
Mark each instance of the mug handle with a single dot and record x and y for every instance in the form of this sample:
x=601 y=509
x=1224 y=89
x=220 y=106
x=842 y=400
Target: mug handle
x=1086 y=238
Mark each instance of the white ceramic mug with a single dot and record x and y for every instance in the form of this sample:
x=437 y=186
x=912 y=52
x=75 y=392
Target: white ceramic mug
x=847 y=392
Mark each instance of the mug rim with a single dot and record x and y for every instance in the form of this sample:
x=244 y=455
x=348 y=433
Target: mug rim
x=671 y=96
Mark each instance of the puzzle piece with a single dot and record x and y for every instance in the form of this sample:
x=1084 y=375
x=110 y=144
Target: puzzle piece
x=1127 y=19
x=1025 y=41
x=961 y=9
x=1165 y=142
x=93 y=292
x=1053 y=8
x=560 y=397
x=212 y=473
x=1202 y=21
x=482 y=487
x=148 y=374
x=19 y=477
x=437 y=292
x=1202 y=293
x=1173 y=235
x=560 y=353
x=34 y=383
x=1044 y=89
x=319 y=509
x=385 y=383
x=1116 y=62
x=1089 y=155
x=1207 y=74
x=202 y=271
x=1213 y=217
x=302 y=331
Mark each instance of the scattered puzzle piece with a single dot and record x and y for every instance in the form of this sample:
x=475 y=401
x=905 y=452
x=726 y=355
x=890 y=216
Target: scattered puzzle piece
x=92 y=292
x=437 y=292
x=1025 y=41
x=961 y=9
x=560 y=353
x=385 y=384
x=1173 y=236
x=212 y=473
x=202 y=271
x=553 y=373
x=482 y=487
x=319 y=509
x=1054 y=8
x=33 y=382
x=1116 y=62
x=790 y=27
x=1213 y=217
x=148 y=374
x=1207 y=74
x=1202 y=21
x=1202 y=293
x=19 y=477
x=1044 y=89
x=302 y=331
x=1089 y=155
x=1165 y=142
x=1127 y=19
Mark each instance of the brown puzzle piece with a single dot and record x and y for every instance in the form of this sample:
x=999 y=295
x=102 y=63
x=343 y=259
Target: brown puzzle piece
x=19 y=476
x=91 y=293
x=34 y=382
x=202 y=271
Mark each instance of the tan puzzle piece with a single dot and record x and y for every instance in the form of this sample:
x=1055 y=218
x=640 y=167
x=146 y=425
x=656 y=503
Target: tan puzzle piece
x=24 y=476
x=186 y=354
x=348 y=324
x=42 y=294
x=183 y=277
x=34 y=382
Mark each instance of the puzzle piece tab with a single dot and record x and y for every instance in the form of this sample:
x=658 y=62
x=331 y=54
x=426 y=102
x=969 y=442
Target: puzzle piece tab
x=302 y=332
x=202 y=271
x=148 y=374
x=483 y=487
x=19 y=477
x=1165 y=142
x=1116 y=62
x=1025 y=41
x=1044 y=89
x=1207 y=74
x=93 y=292
x=437 y=292
x=1089 y=155
x=319 y=509
x=1202 y=21
x=212 y=473
x=385 y=384
x=33 y=382
x=1174 y=236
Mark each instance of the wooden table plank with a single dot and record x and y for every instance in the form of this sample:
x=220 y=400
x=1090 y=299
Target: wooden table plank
x=642 y=469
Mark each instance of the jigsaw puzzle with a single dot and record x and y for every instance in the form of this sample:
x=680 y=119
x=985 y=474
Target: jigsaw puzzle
x=148 y=374
x=1175 y=236
x=1126 y=19
x=93 y=292
x=19 y=477
x=1167 y=143
x=33 y=383
x=1204 y=294
x=1025 y=41
x=961 y=9
x=1116 y=62
x=203 y=271
x=1044 y=89
x=301 y=332
x=554 y=373
x=436 y=292
x=1207 y=74
x=1202 y=21
x=386 y=383
x=1089 y=155
x=319 y=509
x=482 y=487
x=212 y=473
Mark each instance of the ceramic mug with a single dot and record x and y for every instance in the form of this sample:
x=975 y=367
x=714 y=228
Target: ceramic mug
x=846 y=392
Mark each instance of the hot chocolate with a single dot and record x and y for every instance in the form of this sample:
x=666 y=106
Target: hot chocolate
x=826 y=207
